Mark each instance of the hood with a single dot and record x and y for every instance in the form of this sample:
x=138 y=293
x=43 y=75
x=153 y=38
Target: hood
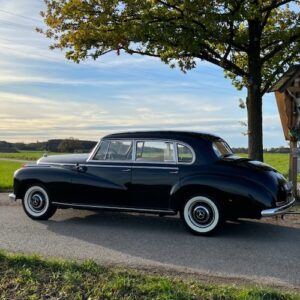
x=64 y=159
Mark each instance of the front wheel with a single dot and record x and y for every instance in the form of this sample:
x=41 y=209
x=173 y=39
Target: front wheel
x=36 y=203
x=201 y=215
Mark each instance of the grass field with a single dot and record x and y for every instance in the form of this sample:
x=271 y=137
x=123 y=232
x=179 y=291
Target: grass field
x=30 y=277
x=7 y=169
x=26 y=155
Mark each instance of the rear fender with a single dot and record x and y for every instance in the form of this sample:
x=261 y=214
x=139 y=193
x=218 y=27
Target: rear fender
x=235 y=194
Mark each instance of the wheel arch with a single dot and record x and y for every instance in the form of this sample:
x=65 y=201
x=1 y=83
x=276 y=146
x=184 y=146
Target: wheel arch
x=188 y=191
x=25 y=184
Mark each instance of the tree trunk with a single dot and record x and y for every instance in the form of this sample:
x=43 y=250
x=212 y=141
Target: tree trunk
x=254 y=98
x=255 y=130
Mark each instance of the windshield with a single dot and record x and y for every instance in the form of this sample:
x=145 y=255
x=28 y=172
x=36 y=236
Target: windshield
x=221 y=148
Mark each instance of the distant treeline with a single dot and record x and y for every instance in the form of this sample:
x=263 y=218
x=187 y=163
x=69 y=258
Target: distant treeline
x=269 y=150
x=70 y=145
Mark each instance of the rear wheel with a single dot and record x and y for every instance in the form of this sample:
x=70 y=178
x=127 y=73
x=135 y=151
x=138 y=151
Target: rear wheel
x=201 y=215
x=37 y=204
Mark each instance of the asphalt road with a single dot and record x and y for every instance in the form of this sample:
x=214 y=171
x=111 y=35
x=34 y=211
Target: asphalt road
x=248 y=250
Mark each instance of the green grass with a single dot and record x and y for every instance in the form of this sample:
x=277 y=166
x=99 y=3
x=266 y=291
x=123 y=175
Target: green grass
x=30 y=277
x=7 y=169
x=279 y=161
x=26 y=155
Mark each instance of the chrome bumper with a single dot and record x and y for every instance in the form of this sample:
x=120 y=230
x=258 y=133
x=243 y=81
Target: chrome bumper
x=12 y=197
x=278 y=210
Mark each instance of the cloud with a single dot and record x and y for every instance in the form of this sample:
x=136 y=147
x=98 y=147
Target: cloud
x=25 y=115
x=45 y=96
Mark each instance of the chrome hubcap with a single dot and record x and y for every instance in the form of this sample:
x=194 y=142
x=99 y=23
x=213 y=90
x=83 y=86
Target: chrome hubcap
x=201 y=214
x=37 y=201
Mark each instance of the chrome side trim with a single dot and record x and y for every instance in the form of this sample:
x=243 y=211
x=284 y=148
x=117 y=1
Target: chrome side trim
x=105 y=166
x=155 y=167
x=133 y=209
x=278 y=210
x=56 y=164
x=112 y=166
x=12 y=196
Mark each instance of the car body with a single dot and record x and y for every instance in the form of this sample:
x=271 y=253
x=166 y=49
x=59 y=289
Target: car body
x=160 y=172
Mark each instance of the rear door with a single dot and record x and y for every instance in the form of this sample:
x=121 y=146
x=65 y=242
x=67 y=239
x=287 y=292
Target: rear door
x=154 y=173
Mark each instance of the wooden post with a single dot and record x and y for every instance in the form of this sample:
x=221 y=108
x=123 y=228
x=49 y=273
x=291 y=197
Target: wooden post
x=293 y=166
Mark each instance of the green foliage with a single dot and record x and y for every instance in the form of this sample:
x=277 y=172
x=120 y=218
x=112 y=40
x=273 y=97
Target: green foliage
x=182 y=31
x=70 y=145
x=30 y=277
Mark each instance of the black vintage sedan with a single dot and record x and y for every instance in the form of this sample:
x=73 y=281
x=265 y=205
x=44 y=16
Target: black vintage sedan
x=159 y=172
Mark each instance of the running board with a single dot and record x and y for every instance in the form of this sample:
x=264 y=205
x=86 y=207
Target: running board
x=128 y=209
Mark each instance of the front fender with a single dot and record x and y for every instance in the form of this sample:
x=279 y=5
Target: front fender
x=57 y=179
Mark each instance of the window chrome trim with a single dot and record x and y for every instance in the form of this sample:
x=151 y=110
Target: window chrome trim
x=169 y=162
x=97 y=147
x=133 y=159
x=190 y=148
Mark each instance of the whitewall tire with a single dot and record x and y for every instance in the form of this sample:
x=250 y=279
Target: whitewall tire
x=201 y=215
x=36 y=203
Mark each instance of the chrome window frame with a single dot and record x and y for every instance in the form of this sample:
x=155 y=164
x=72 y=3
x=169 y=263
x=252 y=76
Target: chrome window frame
x=97 y=147
x=169 y=162
x=133 y=158
x=192 y=151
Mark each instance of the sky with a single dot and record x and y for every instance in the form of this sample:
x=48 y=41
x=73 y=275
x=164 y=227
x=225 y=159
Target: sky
x=44 y=96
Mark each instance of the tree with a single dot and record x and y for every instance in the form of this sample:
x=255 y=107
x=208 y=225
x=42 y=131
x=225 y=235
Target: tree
x=254 y=41
x=70 y=145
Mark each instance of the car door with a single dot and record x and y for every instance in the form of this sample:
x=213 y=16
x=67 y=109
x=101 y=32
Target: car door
x=154 y=173
x=105 y=179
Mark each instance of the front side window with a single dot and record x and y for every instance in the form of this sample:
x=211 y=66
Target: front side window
x=156 y=151
x=114 y=150
x=184 y=153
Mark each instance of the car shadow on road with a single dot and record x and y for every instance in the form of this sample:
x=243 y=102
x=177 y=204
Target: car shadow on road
x=165 y=240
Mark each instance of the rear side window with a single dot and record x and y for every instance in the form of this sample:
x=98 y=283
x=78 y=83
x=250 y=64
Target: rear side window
x=221 y=148
x=155 y=151
x=114 y=150
x=184 y=153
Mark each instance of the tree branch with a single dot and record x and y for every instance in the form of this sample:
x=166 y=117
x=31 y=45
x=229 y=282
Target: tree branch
x=275 y=4
x=280 y=47
x=269 y=82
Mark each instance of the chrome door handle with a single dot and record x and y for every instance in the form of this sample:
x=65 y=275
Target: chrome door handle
x=173 y=172
x=126 y=170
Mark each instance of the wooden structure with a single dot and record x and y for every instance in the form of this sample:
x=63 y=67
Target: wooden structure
x=287 y=94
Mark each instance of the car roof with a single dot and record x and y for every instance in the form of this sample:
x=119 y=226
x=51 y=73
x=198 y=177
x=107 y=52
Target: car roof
x=162 y=134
